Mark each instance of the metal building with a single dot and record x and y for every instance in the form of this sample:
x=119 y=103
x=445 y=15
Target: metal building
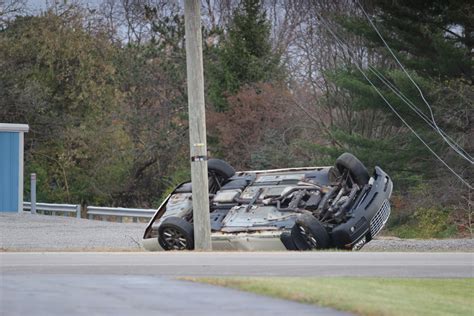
x=11 y=166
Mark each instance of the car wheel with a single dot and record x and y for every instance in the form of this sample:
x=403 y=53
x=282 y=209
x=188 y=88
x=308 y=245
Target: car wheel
x=356 y=168
x=308 y=233
x=176 y=234
x=287 y=241
x=218 y=172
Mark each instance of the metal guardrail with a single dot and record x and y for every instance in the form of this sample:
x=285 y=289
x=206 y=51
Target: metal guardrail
x=119 y=212
x=55 y=208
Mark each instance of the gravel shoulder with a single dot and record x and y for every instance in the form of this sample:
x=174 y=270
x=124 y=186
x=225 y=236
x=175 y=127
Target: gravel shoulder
x=420 y=245
x=28 y=232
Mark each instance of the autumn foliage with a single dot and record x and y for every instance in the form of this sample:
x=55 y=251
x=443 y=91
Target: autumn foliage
x=255 y=112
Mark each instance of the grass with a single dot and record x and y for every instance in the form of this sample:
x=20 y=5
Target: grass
x=364 y=296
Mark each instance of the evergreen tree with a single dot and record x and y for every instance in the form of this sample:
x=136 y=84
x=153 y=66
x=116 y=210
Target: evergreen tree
x=433 y=39
x=245 y=56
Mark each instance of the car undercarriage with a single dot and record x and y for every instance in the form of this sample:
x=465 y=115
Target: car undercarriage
x=338 y=206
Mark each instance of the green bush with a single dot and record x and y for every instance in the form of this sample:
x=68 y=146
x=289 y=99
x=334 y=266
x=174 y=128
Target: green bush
x=424 y=223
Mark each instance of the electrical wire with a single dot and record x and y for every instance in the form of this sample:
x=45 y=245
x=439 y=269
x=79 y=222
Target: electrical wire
x=346 y=47
x=469 y=159
x=412 y=106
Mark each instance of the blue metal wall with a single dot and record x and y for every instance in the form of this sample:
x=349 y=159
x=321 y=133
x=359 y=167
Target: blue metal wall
x=9 y=171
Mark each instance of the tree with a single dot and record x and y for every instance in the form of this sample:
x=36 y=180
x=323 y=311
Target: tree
x=8 y=10
x=61 y=81
x=440 y=63
x=244 y=56
x=433 y=40
x=256 y=131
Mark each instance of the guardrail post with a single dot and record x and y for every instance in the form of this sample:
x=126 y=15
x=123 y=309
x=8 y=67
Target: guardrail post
x=78 y=211
x=33 y=193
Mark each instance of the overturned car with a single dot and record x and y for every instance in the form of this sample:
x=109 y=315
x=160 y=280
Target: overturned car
x=339 y=206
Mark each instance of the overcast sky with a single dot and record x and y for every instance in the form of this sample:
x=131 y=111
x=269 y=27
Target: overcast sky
x=36 y=6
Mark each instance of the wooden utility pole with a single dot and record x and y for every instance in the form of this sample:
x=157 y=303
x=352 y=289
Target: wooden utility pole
x=197 y=125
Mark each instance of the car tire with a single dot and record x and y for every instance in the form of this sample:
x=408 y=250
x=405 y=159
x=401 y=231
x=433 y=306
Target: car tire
x=356 y=168
x=176 y=234
x=308 y=233
x=287 y=241
x=218 y=172
x=221 y=168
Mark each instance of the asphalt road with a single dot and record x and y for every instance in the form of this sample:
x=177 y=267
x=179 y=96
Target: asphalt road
x=135 y=295
x=105 y=283
x=382 y=264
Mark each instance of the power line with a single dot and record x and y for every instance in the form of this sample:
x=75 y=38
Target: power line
x=416 y=85
x=346 y=47
x=412 y=106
